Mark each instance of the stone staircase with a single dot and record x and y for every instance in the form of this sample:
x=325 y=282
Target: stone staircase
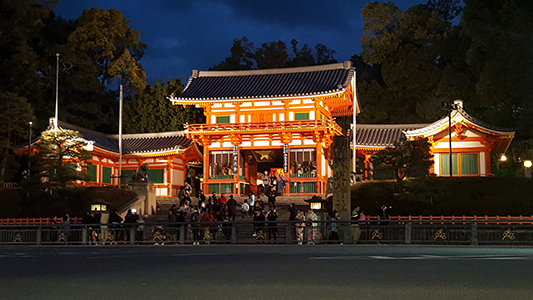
x=282 y=207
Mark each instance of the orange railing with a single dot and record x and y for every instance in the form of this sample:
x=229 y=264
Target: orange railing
x=494 y=220
x=34 y=221
x=268 y=126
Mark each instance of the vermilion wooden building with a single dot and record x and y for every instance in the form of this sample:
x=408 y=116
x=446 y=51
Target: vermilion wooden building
x=473 y=142
x=259 y=120
x=168 y=155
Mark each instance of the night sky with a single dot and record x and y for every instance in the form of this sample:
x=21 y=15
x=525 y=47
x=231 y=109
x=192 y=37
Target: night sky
x=186 y=35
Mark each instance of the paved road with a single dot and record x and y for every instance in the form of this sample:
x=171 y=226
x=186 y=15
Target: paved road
x=265 y=272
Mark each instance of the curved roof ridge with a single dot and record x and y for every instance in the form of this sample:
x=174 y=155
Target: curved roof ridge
x=395 y=126
x=271 y=71
x=148 y=135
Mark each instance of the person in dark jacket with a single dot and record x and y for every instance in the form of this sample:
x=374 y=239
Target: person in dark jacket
x=259 y=225
x=272 y=227
x=116 y=225
x=130 y=219
x=272 y=200
x=232 y=208
x=293 y=212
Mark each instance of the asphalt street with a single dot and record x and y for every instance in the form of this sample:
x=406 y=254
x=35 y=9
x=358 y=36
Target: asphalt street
x=265 y=272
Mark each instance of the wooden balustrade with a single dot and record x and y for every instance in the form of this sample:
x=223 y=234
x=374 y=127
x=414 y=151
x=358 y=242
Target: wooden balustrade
x=34 y=221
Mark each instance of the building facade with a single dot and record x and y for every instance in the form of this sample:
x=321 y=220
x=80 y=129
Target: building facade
x=170 y=156
x=473 y=142
x=279 y=120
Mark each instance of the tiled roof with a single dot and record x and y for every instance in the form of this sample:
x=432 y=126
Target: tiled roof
x=271 y=83
x=461 y=112
x=382 y=135
x=134 y=143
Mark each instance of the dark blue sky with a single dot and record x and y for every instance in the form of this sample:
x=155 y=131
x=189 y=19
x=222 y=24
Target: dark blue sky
x=186 y=35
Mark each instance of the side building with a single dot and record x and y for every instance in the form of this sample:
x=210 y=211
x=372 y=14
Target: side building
x=473 y=142
x=171 y=157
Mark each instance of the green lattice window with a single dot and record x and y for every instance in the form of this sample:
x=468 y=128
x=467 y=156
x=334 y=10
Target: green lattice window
x=106 y=175
x=156 y=175
x=226 y=188
x=309 y=187
x=91 y=171
x=445 y=164
x=126 y=176
x=222 y=119
x=469 y=164
x=296 y=187
x=214 y=188
x=301 y=116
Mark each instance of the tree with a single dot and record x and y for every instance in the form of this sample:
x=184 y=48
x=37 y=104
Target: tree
x=242 y=54
x=274 y=55
x=15 y=115
x=500 y=59
x=271 y=55
x=62 y=157
x=152 y=112
x=405 y=158
x=105 y=38
x=413 y=69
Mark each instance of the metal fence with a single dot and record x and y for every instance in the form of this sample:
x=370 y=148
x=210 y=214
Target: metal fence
x=282 y=232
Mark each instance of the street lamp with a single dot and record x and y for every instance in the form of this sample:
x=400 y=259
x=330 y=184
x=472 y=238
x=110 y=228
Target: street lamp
x=527 y=165
x=449 y=107
x=29 y=147
x=57 y=92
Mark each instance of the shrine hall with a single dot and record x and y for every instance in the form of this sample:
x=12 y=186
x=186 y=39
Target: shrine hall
x=275 y=120
x=284 y=120
x=281 y=121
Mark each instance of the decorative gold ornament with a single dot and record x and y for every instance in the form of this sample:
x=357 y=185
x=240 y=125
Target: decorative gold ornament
x=260 y=235
x=158 y=236
x=507 y=234
x=377 y=234
x=208 y=236
x=62 y=237
x=440 y=234
x=18 y=238
x=109 y=237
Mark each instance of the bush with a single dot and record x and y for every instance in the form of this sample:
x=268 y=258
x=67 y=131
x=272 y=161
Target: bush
x=75 y=201
x=448 y=196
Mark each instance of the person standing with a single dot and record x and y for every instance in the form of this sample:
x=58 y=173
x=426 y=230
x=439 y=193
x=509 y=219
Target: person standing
x=195 y=218
x=251 y=202
x=130 y=219
x=201 y=201
x=356 y=231
x=116 y=225
x=333 y=234
x=312 y=233
x=300 y=225
x=232 y=208
x=223 y=199
x=267 y=183
x=271 y=200
x=281 y=180
x=245 y=208
x=272 y=226
x=259 y=225
x=293 y=212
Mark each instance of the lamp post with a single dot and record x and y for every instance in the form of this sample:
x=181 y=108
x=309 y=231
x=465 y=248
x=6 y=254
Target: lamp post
x=527 y=165
x=57 y=92
x=449 y=107
x=29 y=147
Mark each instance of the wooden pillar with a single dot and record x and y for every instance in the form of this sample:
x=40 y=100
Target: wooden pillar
x=205 y=183
x=169 y=176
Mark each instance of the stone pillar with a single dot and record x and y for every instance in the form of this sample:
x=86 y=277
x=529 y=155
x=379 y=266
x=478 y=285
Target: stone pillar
x=146 y=189
x=341 y=183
